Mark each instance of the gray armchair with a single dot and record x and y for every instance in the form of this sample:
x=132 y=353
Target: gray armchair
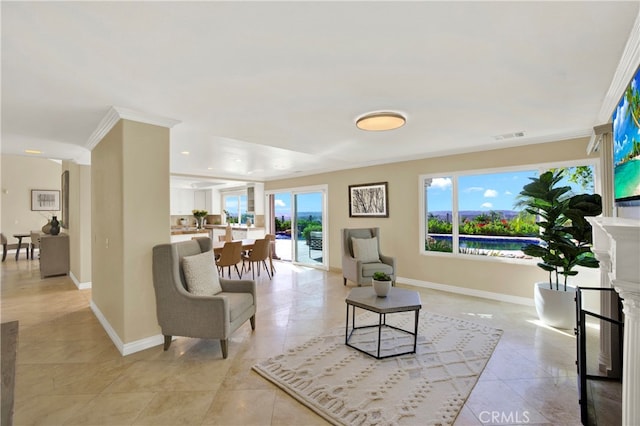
x=181 y=313
x=357 y=270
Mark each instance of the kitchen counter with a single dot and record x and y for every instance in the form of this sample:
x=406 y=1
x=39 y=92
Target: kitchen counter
x=186 y=233
x=239 y=232
x=182 y=231
x=235 y=226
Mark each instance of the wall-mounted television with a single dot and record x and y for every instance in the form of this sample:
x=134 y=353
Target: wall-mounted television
x=626 y=144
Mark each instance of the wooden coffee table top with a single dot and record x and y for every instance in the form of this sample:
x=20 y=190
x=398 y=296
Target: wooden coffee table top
x=398 y=300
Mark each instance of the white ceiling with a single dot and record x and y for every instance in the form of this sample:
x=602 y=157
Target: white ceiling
x=267 y=90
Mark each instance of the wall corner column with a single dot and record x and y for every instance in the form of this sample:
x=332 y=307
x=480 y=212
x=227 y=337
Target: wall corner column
x=130 y=211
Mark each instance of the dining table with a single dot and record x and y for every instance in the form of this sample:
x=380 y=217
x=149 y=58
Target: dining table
x=247 y=244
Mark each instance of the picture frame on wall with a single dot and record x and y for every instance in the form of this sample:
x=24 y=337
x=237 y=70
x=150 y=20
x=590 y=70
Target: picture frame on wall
x=45 y=200
x=369 y=200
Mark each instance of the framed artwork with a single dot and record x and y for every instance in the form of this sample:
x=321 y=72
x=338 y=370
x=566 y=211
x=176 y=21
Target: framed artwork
x=45 y=200
x=369 y=200
x=65 y=199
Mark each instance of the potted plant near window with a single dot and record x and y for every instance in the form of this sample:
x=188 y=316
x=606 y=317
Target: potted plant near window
x=567 y=238
x=381 y=284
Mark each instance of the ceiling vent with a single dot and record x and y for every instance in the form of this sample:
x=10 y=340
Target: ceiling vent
x=509 y=136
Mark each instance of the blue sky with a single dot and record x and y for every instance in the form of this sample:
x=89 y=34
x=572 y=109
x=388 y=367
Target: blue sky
x=495 y=191
x=624 y=130
x=483 y=192
x=311 y=202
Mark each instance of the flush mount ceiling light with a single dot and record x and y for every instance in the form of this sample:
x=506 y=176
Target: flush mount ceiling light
x=379 y=121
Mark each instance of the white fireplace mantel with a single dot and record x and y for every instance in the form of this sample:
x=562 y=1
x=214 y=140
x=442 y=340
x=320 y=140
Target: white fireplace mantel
x=618 y=240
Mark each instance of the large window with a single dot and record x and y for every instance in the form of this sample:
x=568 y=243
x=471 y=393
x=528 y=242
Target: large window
x=235 y=207
x=478 y=213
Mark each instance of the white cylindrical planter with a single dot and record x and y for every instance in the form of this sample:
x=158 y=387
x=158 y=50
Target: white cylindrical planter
x=556 y=308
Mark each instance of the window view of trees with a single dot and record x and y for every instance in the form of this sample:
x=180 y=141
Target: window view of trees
x=487 y=219
x=235 y=207
x=439 y=208
x=305 y=225
x=282 y=224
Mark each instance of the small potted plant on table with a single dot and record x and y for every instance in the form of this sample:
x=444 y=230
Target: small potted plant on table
x=381 y=283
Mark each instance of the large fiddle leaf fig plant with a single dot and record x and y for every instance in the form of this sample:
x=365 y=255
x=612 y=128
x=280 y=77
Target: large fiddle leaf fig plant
x=564 y=229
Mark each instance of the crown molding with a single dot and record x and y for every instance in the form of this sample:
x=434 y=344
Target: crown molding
x=596 y=136
x=627 y=66
x=116 y=114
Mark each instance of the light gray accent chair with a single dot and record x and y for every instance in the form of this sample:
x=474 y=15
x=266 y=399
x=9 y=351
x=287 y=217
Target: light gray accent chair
x=181 y=313
x=360 y=272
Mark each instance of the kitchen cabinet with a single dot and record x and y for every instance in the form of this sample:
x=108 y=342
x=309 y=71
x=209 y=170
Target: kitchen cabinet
x=252 y=233
x=251 y=205
x=238 y=233
x=257 y=196
x=182 y=201
x=200 y=200
x=207 y=199
x=217 y=233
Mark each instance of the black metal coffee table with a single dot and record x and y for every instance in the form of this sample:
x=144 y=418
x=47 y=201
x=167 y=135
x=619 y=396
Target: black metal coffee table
x=398 y=300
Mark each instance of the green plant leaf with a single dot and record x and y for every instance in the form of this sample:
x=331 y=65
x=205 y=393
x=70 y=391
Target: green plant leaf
x=564 y=229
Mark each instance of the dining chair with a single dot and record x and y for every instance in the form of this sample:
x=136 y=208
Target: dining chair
x=230 y=256
x=258 y=255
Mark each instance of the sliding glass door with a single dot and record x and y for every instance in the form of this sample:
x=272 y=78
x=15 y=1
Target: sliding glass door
x=297 y=217
x=308 y=218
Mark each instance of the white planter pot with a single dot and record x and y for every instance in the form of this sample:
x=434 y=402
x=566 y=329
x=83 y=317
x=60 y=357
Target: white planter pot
x=556 y=308
x=381 y=287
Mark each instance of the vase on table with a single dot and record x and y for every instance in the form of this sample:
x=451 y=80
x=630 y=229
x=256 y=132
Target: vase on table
x=200 y=222
x=46 y=229
x=55 y=226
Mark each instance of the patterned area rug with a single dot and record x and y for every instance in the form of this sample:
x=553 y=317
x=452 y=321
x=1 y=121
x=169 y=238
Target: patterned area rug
x=347 y=387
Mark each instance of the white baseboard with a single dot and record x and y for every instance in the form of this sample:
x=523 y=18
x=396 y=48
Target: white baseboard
x=79 y=285
x=125 y=348
x=468 y=291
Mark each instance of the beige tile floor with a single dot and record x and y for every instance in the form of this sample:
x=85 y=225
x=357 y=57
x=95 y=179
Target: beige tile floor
x=69 y=372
